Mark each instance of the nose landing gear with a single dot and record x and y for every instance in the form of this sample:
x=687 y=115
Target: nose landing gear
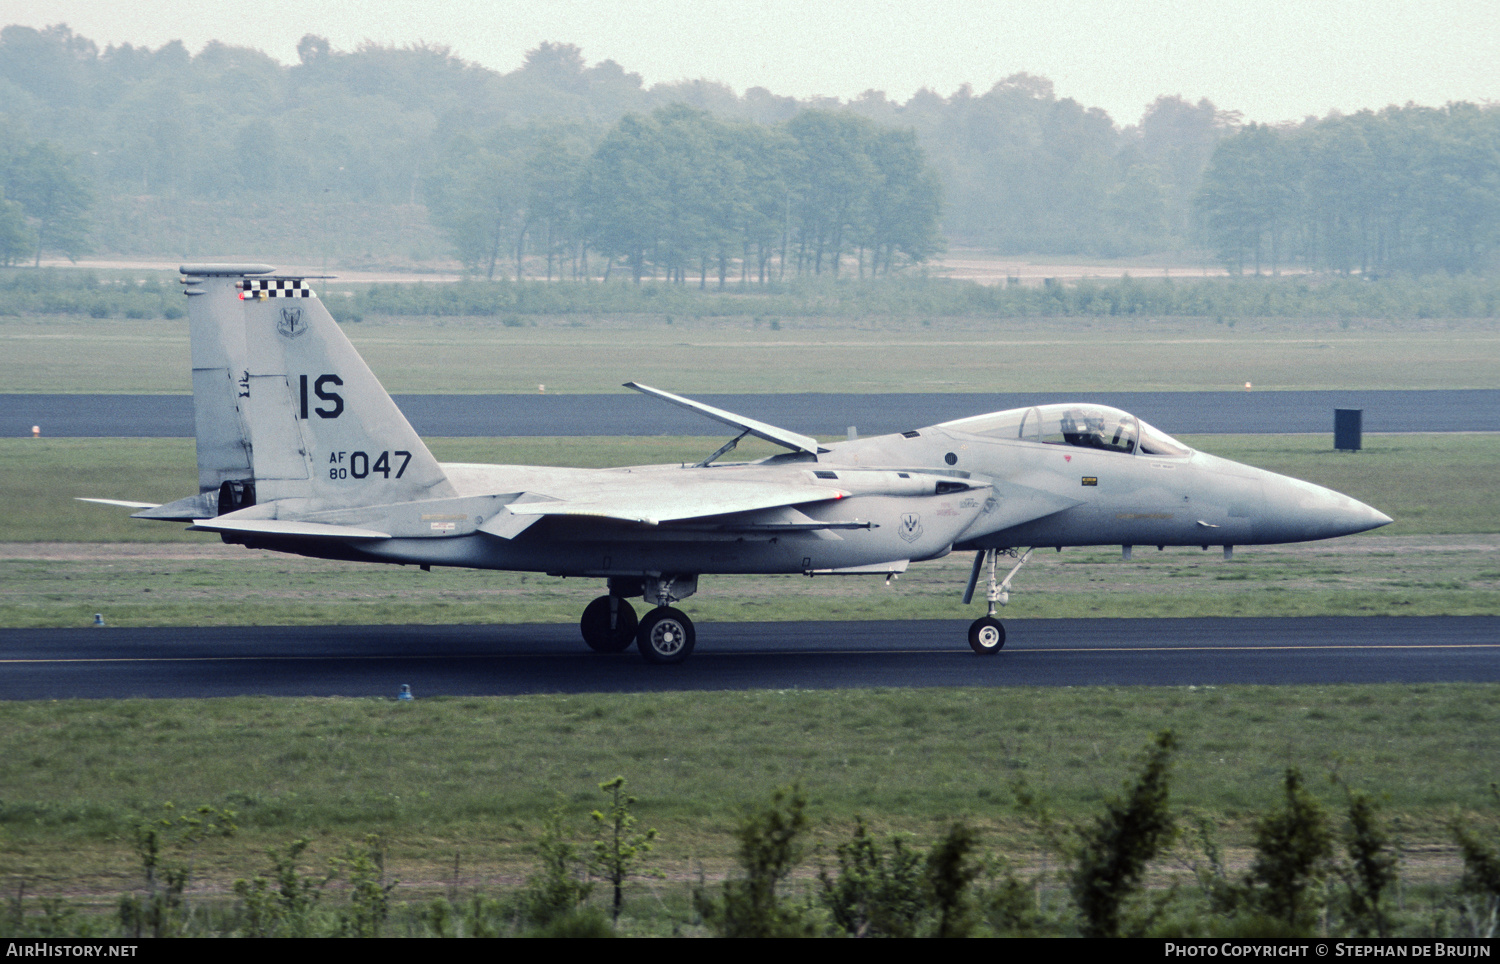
x=987 y=634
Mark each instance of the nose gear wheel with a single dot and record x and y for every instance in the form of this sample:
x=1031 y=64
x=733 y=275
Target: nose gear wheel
x=986 y=636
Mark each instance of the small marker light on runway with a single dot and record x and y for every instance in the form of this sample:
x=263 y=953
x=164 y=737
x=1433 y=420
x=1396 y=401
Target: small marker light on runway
x=36 y=431
x=405 y=693
x=98 y=619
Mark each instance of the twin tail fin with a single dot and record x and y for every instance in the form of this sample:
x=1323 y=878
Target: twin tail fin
x=285 y=409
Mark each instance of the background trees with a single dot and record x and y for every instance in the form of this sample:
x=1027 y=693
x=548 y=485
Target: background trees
x=681 y=192
x=1410 y=188
x=386 y=154
x=491 y=194
x=44 y=201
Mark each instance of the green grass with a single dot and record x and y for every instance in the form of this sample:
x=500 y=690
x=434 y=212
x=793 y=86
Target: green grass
x=477 y=775
x=596 y=353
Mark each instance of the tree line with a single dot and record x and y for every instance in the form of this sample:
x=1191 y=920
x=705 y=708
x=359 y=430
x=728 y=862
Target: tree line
x=1411 y=188
x=44 y=201
x=1020 y=169
x=680 y=191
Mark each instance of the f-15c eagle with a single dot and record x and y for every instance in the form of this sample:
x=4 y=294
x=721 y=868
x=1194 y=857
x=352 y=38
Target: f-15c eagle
x=301 y=450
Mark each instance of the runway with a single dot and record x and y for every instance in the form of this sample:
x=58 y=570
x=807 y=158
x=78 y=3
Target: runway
x=490 y=416
x=373 y=661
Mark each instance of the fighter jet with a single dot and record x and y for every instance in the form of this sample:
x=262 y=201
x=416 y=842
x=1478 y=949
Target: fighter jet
x=300 y=450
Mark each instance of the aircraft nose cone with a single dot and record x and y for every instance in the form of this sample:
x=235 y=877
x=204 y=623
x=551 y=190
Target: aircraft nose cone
x=1298 y=511
x=1354 y=516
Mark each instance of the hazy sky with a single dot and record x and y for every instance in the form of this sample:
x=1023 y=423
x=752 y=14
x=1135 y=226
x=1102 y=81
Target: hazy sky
x=1273 y=60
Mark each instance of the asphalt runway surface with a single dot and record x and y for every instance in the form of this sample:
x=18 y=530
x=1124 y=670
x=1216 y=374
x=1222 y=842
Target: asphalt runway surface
x=370 y=661
x=490 y=416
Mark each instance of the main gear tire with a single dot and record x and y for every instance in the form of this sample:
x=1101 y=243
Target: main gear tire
x=609 y=624
x=666 y=635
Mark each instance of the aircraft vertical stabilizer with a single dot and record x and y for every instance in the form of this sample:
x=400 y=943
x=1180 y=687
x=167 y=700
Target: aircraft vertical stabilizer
x=216 y=325
x=309 y=415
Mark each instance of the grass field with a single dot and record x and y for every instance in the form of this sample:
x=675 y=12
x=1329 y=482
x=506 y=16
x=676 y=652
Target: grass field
x=472 y=778
x=476 y=775
x=598 y=354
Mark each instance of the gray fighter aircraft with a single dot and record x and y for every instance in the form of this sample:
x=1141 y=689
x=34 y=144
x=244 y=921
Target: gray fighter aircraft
x=301 y=450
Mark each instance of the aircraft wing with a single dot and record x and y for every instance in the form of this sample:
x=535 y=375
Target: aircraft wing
x=652 y=499
x=778 y=436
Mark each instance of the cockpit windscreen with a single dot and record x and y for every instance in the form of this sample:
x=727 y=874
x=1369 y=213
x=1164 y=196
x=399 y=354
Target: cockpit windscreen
x=1081 y=425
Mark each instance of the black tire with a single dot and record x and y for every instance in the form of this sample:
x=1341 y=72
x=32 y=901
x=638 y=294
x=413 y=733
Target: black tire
x=665 y=636
x=987 y=636
x=596 y=627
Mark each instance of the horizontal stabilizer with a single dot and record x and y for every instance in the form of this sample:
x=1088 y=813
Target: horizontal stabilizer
x=122 y=502
x=200 y=506
x=286 y=528
x=778 y=436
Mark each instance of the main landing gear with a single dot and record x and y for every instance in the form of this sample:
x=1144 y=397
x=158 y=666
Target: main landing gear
x=609 y=624
x=987 y=634
x=664 y=635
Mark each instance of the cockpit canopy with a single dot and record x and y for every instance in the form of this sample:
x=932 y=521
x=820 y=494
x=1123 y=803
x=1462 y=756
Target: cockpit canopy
x=1069 y=423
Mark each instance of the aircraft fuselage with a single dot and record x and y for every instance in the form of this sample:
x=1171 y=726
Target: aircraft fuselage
x=301 y=450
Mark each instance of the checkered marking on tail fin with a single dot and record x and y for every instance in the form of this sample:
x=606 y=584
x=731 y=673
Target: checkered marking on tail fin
x=259 y=289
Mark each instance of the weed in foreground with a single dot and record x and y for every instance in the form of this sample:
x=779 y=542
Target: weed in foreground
x=769 y=850
x=166 y=846
x=619 y=851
